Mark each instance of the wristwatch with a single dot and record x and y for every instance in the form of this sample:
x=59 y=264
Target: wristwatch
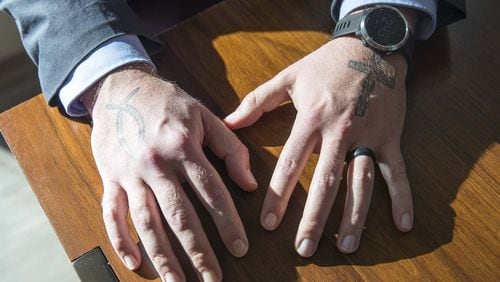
x=382 y=28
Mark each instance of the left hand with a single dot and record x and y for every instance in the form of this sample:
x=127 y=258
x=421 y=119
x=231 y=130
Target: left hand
x=346 y=97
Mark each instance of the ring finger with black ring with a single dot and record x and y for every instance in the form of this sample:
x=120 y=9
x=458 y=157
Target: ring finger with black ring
x=360 y=179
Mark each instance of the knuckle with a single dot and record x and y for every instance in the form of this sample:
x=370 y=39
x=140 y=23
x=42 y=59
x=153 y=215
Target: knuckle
x=179 y=142
x=150 y=157
x=230 y=229
x=320 y=111
x=312 y=228
x=327 y=180
x=238 y=150
x=234 y=145
x=402 y=197
x=178 y=219
x=109 y=213
x=344 y=128
x=333 y=165
x=119 y=244
x=159 y=260
x=280 y=76
x=144 y=220
x=251 y=98
x=242 y=149
x=287 y=165
x=312 y=224
x=285 y=75
x=315 y=116
x=201 y=262
x=215 y=196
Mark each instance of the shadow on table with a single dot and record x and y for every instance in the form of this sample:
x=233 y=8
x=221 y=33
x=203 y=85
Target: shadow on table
x=437 y=164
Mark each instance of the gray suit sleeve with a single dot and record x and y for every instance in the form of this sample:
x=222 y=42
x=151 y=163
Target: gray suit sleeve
x=449 y=11
x=58 y=34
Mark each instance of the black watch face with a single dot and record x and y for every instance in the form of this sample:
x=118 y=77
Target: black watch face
x=385 y=26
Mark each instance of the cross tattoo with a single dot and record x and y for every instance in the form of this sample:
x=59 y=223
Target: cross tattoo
x=375 y=70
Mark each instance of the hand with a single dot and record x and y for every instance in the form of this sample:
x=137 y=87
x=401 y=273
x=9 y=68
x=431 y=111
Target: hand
x=346 y=97
x=147 y=138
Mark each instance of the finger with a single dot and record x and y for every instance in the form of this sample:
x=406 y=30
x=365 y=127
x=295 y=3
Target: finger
x=185 y=224
x=393 y=170
x=147 y=221
x=214 y=195
x=360 y=179
x=114 y=213
x=264 y=98
x=226 y=145
x=324 y=187
x=291 y=162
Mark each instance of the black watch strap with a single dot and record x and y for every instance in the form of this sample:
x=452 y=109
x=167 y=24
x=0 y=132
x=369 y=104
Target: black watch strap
x=347 y=25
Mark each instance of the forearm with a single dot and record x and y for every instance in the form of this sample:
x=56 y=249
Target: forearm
x=57 y=44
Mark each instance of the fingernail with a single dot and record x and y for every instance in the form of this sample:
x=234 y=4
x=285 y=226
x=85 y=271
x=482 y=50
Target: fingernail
x=209 y=276
x=172 y=277
x=270 y=220
x=251 y=178
x=239 y=248
x=129 y=262
x=306 y=248
x=348 y=243
x=406 y=221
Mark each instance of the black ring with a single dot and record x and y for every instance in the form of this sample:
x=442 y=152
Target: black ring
x=360 y=151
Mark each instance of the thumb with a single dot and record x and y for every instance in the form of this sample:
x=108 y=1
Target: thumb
x=263 y=99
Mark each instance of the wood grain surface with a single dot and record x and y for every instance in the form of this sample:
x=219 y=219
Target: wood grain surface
x=450 y=144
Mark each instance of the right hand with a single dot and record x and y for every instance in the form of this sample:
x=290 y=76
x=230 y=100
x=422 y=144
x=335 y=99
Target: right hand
x=147 y=138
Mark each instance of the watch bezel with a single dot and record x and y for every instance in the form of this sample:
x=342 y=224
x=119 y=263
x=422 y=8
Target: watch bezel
x=369 y=40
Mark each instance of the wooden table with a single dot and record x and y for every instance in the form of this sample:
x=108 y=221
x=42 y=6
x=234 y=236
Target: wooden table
x=450 y=143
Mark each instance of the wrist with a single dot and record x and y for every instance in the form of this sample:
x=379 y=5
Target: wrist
x=114 y=80
x=410 y=14
x=384 y=29
x=352 y=48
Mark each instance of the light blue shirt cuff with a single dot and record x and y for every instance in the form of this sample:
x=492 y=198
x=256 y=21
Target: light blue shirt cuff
x=112 y=54
x=426 y=22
